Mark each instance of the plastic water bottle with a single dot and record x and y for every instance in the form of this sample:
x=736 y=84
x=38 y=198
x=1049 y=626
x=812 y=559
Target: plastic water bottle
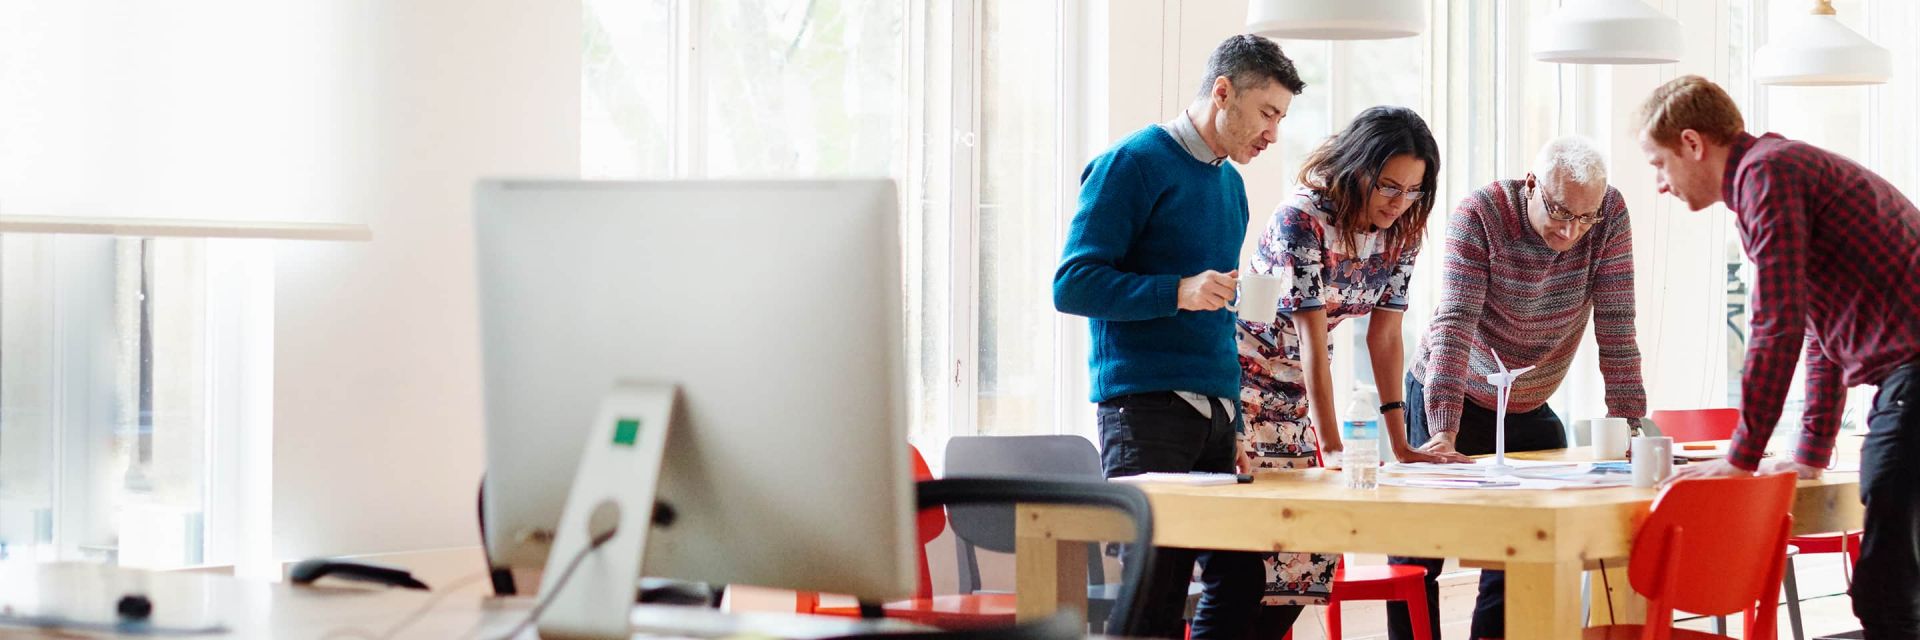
x=1360 y=434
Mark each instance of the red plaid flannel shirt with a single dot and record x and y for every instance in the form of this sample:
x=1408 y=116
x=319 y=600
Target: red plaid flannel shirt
x=1837 y=248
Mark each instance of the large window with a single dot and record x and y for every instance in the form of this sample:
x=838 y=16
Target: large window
x=967 y=105
x=108 y=396
x=961 y=102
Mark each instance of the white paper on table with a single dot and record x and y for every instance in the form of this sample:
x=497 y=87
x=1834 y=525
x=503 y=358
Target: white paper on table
x=1478 y=468
x=1504 y=483
x=1195 y=479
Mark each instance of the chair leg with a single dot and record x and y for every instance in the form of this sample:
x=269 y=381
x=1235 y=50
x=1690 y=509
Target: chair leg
x=1793 y=602
x=1417 y=614
x=1720 y=625
x=1333 y=619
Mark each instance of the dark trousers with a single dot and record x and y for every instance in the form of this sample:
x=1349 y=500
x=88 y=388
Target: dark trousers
x=1160 y=432
x=1531 y=431
x=1886 y=583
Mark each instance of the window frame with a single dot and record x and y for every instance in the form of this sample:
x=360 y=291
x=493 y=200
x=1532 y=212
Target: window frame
x=960 y=117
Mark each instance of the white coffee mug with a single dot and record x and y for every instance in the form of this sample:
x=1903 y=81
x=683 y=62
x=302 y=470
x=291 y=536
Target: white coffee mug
x=1583 y=432
x=1652 y=460
x=1610 y=438
x=1260 y=297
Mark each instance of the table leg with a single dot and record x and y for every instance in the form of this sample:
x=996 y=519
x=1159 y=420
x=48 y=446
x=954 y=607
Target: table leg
x=1049 y=575
x=1625 y=605
x=1543 y=600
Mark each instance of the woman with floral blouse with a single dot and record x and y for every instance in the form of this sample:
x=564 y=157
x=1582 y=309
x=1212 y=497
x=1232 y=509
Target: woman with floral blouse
x=1345 y=241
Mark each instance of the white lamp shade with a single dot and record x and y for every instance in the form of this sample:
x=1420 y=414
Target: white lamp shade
x=1337 y=19
x=1607 y=32
x=1815 y=50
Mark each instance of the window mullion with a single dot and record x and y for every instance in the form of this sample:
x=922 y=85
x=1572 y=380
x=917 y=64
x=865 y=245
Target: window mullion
x=966 y=207
x=1069 y=359
x=688 y=158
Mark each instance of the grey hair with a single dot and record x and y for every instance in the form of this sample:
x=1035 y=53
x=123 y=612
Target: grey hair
x=1571 y=158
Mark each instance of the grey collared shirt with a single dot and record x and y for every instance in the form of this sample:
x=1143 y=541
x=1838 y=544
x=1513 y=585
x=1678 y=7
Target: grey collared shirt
x=1182 y=129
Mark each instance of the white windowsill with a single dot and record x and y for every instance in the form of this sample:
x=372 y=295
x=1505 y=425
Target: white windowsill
x=159 y=228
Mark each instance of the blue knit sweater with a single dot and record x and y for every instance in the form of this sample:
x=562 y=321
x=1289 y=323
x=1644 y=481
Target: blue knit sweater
x=1149 y=215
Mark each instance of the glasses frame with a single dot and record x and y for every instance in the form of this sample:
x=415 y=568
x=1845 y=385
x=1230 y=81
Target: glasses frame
x=1555 y=210
x=1397 y=192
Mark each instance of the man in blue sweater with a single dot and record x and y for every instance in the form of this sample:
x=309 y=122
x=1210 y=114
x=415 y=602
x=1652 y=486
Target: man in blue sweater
x=1151 y=262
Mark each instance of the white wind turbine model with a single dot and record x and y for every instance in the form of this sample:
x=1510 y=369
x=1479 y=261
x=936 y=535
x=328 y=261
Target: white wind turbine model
x=1503 y=383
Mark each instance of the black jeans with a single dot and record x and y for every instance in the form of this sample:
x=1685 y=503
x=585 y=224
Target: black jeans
x=1886 y=583
x=1160 y=432
x=1531 y=431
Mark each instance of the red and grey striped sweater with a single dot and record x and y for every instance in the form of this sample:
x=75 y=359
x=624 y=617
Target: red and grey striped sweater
x=1503 y=288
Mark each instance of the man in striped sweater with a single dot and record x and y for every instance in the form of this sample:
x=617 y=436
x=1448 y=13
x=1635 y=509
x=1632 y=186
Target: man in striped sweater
x=1527 y=262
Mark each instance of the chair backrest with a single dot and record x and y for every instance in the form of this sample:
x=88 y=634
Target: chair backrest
x=1031 y=457
x=955 y=492
x=1715 y=546
x=930 y=522
x=1694 y=425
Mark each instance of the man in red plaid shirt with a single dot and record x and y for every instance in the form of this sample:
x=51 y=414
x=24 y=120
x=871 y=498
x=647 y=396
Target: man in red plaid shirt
x=1837 y=249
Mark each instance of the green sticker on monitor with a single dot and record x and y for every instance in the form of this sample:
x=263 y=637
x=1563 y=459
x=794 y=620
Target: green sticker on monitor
x=626 y=431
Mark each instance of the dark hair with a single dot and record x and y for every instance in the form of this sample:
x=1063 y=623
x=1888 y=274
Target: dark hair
x=1250 y=62
x=1346 y=168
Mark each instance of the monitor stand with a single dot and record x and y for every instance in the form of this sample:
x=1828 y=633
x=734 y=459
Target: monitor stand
x=612 y=495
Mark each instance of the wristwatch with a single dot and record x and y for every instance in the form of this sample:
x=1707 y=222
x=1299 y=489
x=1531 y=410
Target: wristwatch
x=1391 y=406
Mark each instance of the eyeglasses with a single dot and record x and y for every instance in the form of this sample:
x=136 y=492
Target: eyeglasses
x=1396 y=192
x=1558 y=211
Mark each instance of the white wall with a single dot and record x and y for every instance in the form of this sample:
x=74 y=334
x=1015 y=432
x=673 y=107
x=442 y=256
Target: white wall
x=377 y=407
x=369 y=111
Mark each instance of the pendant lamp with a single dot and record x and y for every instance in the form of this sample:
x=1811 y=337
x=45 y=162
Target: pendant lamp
x=1816 y=50
x=1337 y=19
x=1607 y=32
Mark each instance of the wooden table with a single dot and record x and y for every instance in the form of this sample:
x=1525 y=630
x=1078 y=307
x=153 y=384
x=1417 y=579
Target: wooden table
x=1543 y=538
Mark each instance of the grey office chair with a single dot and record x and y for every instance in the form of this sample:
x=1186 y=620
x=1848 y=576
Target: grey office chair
x=994 y=493
x=991 y=526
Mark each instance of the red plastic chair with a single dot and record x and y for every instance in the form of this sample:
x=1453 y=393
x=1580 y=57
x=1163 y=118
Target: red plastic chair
x=1719 y=424
x=972 y=611
x=1695 y=552
x=1404 y=583
x=1696 y=425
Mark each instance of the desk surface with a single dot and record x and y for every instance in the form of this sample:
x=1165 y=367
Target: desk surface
x=249 y=609
x=1544 y=538
x=1313 y=510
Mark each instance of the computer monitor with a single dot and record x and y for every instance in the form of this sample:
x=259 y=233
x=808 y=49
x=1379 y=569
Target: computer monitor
x=775 y=306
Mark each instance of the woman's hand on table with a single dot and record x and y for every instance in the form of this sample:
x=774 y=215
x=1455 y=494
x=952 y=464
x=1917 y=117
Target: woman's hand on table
x=1332 y=458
